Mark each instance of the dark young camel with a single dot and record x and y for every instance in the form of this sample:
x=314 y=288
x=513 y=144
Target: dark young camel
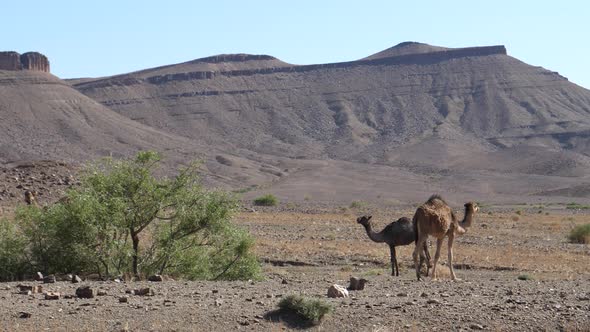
x=398 y=233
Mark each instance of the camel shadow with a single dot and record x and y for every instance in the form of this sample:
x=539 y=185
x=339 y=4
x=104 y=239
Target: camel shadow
x=292 y=320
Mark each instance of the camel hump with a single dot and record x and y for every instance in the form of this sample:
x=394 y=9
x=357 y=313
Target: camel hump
x=434 y=198
x=404 y=220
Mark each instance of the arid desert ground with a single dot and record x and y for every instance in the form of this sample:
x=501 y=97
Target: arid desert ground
x=306 y=248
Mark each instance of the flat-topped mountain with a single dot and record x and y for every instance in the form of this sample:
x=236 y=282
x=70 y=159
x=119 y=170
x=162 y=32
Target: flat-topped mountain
x=404 y=122
x=27 y=61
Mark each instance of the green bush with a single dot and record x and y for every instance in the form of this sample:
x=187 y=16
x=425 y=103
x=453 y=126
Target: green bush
x=13 y=262
x=310 y=310
x=266 y=200
x=576 y=206
x=124 y=220
x=580 y=234
x=357 y=204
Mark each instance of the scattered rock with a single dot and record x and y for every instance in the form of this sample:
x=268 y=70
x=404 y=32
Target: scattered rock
x=476 y=327
x=284 y=282
x=357 y=283
x=423 y=295
x=123 y=299
x=76 y=279
x=433 y=301
x=101 y=292
x=337 y=291
x=52 y=296
x=143 y=291
x=38 y=276
x=50 y=279
x=156 y=278
x=28 y=290
x=218 y=302
x=402 y=294
x=24 y=314
x=85 y=292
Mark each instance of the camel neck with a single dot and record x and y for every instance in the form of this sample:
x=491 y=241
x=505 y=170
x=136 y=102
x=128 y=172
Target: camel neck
x=376 y=237
x=467 y=218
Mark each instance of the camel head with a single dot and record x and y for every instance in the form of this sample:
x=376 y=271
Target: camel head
x=471 y=207
x=364 y=220
x=31 y=197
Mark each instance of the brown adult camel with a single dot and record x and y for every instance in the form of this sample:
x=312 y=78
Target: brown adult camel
x=436 y=218
x=397 y=233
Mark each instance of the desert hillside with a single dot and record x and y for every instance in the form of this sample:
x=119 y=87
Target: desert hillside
x=402 y=123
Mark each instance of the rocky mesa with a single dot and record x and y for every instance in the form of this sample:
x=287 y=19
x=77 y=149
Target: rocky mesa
x=27 y=61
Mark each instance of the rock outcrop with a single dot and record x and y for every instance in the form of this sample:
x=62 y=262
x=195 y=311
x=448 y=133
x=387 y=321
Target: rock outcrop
x=9 y=61
x=27 y=61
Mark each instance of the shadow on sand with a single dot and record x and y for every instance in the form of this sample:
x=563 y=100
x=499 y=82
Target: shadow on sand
x=290 y=319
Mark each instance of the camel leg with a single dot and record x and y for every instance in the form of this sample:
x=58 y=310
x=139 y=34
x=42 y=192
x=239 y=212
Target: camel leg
x=451 y=238
x=428 y=258
x=422 y=259
x=439 y=243
x=393 y=260
x=417 y=249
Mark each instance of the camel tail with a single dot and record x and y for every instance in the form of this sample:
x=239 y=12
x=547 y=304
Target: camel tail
x=415 y=225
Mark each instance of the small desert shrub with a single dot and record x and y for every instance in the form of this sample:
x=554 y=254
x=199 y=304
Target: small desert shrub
x=13 y=261
x=266 y=200
x=357 y=204
x=525 y=277
x=519 y=212
x=515 y=218
x=310 y=310
x=576 y=206
x=580 y=234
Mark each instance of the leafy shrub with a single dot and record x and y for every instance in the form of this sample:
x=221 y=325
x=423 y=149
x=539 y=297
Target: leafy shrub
x=580 y=234
x=13 y=262
x=124 y=220
x=357 y=204
x=576 y=206
x=266 y=200
x=310 y=310
x=525 y=277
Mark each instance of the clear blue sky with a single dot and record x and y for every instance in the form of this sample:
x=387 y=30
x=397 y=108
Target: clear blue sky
x=99 y=38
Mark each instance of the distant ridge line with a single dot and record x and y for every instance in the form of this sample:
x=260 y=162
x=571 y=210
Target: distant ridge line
x=419 y=58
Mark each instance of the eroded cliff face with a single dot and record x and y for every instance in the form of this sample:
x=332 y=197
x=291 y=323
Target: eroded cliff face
x=27 y=61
